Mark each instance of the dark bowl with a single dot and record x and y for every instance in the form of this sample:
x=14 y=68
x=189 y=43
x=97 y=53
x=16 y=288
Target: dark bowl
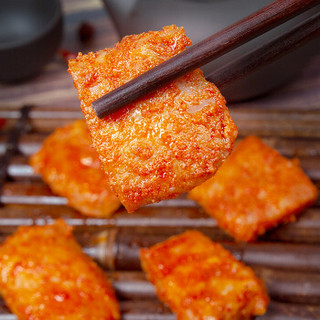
x=30 y=34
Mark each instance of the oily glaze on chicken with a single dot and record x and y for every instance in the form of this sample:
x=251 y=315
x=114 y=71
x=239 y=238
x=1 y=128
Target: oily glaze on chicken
x=45 y=276
x=71 y=167
x=254 y=190
x=200 y=280
x=166 y=143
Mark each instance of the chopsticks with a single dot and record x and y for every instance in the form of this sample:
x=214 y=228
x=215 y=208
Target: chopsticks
x=267 y=53
x=201 y=53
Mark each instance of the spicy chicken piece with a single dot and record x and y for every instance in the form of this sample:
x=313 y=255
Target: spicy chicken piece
x=44 y=275
x=254 y=190
x=71 y=167
x=201 y=280
x=169 y=141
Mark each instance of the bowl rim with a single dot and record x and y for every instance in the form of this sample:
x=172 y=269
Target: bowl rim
x=52 y=22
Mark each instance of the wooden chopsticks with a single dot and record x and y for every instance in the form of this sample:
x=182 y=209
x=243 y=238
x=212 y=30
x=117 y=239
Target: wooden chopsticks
x=266 y=53
x=203 y=52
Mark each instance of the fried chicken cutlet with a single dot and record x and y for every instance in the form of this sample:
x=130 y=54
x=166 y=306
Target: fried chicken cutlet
x=254 y=190
x=201 y=280
x=71 y=167
x=44 y=275
x=166 y=143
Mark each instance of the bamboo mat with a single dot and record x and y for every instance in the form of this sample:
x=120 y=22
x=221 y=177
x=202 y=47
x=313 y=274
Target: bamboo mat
x=286 y=258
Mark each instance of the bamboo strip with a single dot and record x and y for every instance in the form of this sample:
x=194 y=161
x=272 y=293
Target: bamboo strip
x=285 y=286
x=124 y=249
x=154 y=310
x=173 y=217
x=19 y=168
x=299 y=147
x=269 y=122
x=288 y=287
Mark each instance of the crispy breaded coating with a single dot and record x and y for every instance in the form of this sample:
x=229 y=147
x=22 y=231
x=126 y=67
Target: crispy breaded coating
x=71 y=167
x=200 y=280
x=166 y=143
x=254 y=190
x=44 y=275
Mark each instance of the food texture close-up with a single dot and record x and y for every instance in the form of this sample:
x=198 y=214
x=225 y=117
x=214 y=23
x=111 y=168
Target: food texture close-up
x=159 y=160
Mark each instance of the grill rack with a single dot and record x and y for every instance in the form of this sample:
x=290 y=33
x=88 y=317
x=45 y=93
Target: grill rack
x=287 y=258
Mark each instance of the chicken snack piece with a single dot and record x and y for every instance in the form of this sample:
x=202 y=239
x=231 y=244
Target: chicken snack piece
x=200 y=280
x=44 y=275
x=254 y=190
x=71 y=167
x=169 y=141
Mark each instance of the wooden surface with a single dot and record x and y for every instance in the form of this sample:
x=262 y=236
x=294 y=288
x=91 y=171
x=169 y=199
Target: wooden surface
x=287 y=258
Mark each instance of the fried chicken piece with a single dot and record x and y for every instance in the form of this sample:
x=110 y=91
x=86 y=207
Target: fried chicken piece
x=166 y=143
x=71 y=167
x=201 y=280
x=254 y=190
x=44 y=275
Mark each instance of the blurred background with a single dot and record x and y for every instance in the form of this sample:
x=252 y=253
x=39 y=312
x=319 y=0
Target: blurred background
x=38 y=39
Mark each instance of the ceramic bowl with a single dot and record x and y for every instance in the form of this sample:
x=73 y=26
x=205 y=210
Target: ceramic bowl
x=30 y=34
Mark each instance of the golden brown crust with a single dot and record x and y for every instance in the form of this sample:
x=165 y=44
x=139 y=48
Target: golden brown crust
x=166 y=143
x=44 y=275
x=254 y=190
x=200 y=280
x=71 y=167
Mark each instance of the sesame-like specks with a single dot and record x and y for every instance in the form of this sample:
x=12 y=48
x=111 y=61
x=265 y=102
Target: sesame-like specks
x=163 y=144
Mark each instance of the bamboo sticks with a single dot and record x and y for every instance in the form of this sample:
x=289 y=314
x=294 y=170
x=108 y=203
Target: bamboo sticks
x=154 y=310
x=286 y=258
